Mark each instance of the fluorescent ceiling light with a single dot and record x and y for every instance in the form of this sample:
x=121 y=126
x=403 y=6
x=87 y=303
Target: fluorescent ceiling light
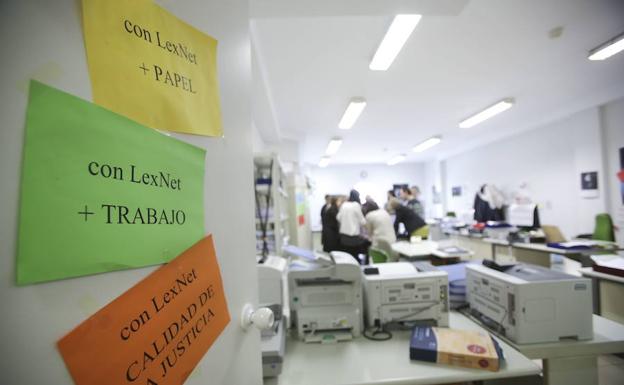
x=333 y=146
x=353 y=111
x=396 y=159
x=487 y=113
x=324 y=161
x=427 y=144
x=607 y=49
x=398 y=33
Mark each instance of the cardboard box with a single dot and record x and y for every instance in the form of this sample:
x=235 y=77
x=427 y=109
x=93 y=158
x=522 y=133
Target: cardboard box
x=467 y=348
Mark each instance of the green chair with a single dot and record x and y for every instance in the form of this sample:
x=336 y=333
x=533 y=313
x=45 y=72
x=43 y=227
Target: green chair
x=604 y=228
x=422 y=232
x=377 y=255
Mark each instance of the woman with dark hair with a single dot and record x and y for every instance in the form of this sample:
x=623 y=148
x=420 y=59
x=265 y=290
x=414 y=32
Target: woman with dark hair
x=351 y=220
x=330 y=236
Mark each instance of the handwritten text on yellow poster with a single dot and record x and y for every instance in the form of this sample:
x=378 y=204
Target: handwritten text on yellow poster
x=152 y=67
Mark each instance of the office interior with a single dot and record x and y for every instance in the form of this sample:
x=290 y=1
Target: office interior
x=548 y=160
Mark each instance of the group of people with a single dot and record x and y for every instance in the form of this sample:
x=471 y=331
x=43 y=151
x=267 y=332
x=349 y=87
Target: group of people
x=353 y=227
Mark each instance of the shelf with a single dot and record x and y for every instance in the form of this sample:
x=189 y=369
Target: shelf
x=276 y=197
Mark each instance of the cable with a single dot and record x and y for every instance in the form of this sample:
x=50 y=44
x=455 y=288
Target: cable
x=385 y=333
x=418 y=311
x=379 y=334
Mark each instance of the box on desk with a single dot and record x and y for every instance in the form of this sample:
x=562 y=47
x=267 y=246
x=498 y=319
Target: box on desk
x=470 y=349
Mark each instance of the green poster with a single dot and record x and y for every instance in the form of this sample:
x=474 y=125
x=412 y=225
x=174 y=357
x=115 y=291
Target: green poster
x=100 y=192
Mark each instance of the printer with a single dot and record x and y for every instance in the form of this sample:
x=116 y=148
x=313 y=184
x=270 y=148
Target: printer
x=271 y=293
x=529 y=303
x=405 y=292
x=325 y=295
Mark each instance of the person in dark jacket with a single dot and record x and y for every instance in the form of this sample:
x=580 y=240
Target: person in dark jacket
x=330 y=236
x=407 y=216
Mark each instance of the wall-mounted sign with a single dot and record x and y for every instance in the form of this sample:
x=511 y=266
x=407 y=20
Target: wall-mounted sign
x=150 y=66
x=589 y=184
x=456 y=191
x=101 y=192
x=156 y=332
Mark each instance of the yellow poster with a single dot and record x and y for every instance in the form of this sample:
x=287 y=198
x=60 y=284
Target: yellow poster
x=152 y=67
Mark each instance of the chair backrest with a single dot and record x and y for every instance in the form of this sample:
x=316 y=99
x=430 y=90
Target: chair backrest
x=422 y=232
x=553 y=234
x=378 y=255
x=604 y=228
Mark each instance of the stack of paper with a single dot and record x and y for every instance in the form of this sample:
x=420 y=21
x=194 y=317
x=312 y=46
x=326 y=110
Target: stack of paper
x=609 y=264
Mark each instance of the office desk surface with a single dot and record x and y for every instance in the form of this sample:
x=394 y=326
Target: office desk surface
x=469 y=235
x=556 y=250
x=589 y=272
x=416 y=249
x=608 y=339
x=495 y=241
x=385 y=362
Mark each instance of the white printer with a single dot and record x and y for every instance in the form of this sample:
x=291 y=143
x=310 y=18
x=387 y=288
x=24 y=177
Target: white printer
x=405 y=292
x=530 y=304
x=325 y=295
x=271 y=293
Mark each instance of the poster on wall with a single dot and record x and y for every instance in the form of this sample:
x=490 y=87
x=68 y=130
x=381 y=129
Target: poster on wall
x=100 y=192
x=456 y=191
x=156 y=332
x=152 y=67
x=589 y=185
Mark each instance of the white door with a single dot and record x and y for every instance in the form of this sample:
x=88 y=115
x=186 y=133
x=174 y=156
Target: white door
x=43 y=40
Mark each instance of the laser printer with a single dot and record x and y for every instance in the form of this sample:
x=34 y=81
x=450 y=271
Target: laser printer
x=405 y=292
x=529 y=303
x=325 y=295
x=271 y=293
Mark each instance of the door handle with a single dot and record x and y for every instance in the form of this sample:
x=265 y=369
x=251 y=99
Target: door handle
x=262 y=318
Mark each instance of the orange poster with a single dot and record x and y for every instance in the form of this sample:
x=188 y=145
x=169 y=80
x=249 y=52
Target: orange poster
x=156 y=332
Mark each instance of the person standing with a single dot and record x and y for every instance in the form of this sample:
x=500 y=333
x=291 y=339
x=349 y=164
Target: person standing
x=390 y=195
x=351 y=220
x=414 y=224
x=380 y=229
x=329 y=233
x=411 y=202
x=417 y=205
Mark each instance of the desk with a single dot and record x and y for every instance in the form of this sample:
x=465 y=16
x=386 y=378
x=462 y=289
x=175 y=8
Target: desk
x=575 y=362
x=472 y=242
x=501 y=250
x=414 y=250
x=539 y=253
x=385 y=362
x=608 y=294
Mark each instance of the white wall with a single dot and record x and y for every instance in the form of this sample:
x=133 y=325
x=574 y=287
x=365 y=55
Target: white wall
x=548 y=161
x=47 y=44
x=257 y=143
x=433 y=180
x=340 y=179
x=612 y=115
